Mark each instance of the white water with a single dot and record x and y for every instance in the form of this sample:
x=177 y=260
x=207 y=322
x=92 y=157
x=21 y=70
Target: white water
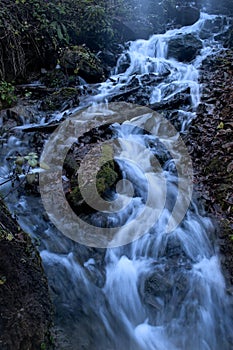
x=164 y=291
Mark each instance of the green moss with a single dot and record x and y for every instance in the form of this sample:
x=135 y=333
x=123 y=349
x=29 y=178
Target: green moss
x=106 y=179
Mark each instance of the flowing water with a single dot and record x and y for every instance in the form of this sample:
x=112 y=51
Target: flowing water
x=165 y=290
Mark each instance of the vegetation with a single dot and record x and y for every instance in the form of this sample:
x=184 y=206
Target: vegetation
x=7 y=94
x=33 y=31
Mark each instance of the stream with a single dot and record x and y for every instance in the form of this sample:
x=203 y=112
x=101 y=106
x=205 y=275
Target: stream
x=157 y=289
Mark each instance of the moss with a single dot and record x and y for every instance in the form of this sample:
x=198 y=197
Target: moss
x=106 y=179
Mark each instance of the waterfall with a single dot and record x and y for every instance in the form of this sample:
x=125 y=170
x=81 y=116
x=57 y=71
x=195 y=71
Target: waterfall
x=164 y=290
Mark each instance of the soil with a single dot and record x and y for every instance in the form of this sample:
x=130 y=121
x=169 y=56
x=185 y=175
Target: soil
x=210 y=145
x=25 y=307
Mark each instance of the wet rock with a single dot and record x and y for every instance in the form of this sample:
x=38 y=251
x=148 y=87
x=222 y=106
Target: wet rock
x=157 y=284
x=184 y=48
x=212 y=27
x=153 y=79
x=18 y=115
x=187 y=15
x=227 y=38
x=159 y=151
x=123 y=63
x=153 y=301
x=179 y=99
x=108 y=58
x=174 y=248
x=61 y=100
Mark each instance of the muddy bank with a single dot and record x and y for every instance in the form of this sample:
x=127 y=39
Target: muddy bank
x=26 y=310
x=210 y=145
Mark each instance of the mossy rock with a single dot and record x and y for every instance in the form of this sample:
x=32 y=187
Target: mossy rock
x=106 y=179
x=81 y=61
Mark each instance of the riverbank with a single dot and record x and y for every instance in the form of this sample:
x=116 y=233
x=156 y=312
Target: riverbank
x=26 y=309
x=210 y=146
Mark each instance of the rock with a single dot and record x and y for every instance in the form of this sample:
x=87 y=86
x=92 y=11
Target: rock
x=96 y=160
x=228 y=40
x=157 y=284
x=184 y=48
x=61 y=100
x=187 y=15
x=80 y=60
x=16 y=116
x=180 y=99
x=108 y=58
x=123 y=63
x=133 y=30
x=214 y=26
x=174 y=248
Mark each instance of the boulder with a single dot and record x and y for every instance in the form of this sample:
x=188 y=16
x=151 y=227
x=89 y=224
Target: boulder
x=133 y=30
x=96 y=160
x=80 y=60
x=108 y=58
x=184 y=47
x=187 y=15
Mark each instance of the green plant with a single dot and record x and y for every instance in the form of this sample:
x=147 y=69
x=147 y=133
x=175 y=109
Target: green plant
x=7 y=95
x=21 y=170
x=43 y=346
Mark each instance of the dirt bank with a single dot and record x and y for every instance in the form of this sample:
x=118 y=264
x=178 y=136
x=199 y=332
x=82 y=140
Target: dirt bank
x=210 y=143
x=25 y=307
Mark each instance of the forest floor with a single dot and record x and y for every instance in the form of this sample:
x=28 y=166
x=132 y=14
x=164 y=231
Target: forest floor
x=210 y=143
